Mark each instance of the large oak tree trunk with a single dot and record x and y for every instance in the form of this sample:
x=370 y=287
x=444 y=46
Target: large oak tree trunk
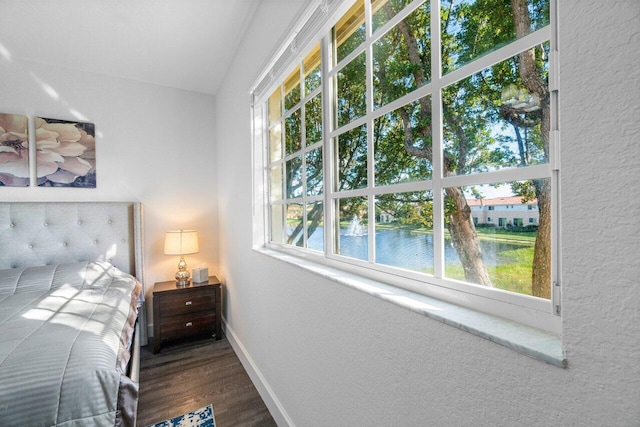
x=465 y=239
x=461 y=227
x=541 y=275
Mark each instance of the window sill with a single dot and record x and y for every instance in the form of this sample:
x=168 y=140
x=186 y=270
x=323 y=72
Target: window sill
x=523 y=339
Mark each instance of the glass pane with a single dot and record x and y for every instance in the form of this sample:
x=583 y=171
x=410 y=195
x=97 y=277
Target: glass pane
x=275 y=105
x=277 y=224
x=313 y=161
x=292 y=89
x=275 y=143
x=294 y=177
x=402 y=58
x=350 y=30
x=313 y=119
x=353 y=239
x=293 y=231
x=351 y=89
x=384 y=10
x=393 y=162
x=312 y=70
x=315 y=226
x=352 y=159
x=513 y=225
x=292 y=133
x=404 y=231
x=491 y=121
x=275 y=182
x=473 y=28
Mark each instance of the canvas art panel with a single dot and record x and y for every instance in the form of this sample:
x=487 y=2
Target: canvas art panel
x=14 y=150
x=65 y=153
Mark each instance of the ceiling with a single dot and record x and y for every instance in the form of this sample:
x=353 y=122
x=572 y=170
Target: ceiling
x=185 y=44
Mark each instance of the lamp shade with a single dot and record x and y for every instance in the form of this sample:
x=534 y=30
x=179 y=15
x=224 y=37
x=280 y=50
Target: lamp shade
x=181 y=242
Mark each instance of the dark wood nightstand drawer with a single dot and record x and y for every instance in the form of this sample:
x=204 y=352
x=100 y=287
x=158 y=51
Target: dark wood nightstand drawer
x=192 y=302
x=187 y=325
x=186 y=311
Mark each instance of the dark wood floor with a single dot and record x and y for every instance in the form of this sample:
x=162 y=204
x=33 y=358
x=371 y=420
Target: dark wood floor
x=189 y=375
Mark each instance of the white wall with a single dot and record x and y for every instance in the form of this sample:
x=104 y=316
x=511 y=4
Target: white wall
x=142 y=131
x=334 y=356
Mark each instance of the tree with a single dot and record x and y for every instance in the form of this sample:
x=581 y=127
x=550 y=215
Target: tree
x=530 y=73
x=513 y=93
x=522 y=83
x=470 y=29
x=408 y=51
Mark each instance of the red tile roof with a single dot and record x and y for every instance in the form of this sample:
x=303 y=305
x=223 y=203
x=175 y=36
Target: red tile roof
x=514 y=200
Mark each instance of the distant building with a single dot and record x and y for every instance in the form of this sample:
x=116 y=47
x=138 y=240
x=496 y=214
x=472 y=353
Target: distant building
x=504 y=212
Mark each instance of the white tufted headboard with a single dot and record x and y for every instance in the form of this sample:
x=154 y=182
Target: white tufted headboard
x=44 y=233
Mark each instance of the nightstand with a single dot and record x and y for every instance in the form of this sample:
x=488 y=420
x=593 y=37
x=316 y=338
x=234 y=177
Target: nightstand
x=186 y=311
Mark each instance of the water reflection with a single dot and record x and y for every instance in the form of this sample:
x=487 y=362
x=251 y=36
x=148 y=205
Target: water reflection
x=410 y=250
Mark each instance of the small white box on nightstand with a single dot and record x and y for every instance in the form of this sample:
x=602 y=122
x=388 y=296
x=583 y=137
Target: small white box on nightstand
x=200 y=275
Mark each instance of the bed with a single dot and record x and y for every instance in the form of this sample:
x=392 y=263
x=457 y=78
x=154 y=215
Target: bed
x=70 y=292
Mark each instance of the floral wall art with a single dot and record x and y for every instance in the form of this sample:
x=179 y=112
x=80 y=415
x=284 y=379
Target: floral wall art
x=14 y=150
x=65 y=153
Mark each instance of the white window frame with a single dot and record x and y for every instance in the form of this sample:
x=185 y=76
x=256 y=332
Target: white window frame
x=532 y=311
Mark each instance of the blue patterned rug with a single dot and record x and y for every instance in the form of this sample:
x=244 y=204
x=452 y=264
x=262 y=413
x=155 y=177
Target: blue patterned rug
x=202 y=417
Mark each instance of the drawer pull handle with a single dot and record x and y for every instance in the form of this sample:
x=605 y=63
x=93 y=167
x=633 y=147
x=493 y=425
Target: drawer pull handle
x=188 y=324
x=187 y=303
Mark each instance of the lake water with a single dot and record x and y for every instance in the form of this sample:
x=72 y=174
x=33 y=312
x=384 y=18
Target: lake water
x=406 y=249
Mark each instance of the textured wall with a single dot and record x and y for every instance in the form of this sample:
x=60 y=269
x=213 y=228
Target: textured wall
x=334 y=356
x=600 y=82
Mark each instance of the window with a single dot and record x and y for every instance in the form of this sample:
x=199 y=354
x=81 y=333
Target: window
x=407 y=116
x=296 y=183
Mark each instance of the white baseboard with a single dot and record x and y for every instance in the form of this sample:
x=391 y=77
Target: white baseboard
x=268 y=396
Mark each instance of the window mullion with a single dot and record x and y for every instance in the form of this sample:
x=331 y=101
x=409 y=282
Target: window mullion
x=554 y=154
x=370 y=130
x=436 y=144
x=328 y=152
x=303 y=153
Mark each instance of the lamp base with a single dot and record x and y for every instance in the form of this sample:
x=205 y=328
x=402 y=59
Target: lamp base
x=182 y=276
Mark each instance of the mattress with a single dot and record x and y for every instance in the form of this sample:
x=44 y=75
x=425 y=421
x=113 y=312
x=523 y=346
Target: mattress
x=65 y=336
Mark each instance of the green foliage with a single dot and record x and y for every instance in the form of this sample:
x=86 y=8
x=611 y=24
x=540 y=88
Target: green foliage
x=513 y=273
x=352 y=42
x=294 y=177
x=414 y=208
x=315 y=183
x=395 y=73
x=292 y=97
x=480 y=133
x=490 y=119
x=352 y=159
x=352 y=207
x=387 y=11
x=313 y=119
x=293 y=132
x=394 y=164
x=351 y=90
x=526 y=189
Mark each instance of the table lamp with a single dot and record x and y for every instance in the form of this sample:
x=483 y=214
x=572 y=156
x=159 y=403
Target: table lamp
x=181 y=242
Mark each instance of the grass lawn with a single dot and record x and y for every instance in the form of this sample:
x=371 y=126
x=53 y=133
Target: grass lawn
x=514 y=269
x=512 y=274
